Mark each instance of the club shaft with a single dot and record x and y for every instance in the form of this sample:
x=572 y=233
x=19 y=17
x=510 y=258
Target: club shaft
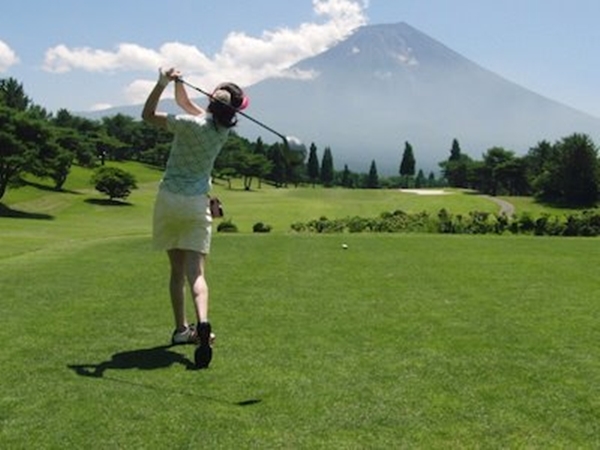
x=247 y=116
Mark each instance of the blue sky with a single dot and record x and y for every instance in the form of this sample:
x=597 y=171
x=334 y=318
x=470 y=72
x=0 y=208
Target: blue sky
x=87 y=54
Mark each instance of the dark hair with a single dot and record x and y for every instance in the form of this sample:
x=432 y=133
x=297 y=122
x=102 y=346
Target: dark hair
x=223 y=113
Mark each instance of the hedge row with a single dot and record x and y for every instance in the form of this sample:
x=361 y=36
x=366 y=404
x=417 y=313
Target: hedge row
x=584 y=223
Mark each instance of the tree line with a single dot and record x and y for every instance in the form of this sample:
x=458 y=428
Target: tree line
x=47 y=145
x=566 y=172
x=34 y=141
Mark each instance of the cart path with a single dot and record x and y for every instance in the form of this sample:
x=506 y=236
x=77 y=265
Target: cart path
x=506 y=208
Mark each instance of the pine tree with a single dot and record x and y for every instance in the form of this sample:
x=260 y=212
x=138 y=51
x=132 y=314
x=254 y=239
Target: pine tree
x=279 y=170
x=347 y=180
x=327 y=168
x=455 y=168
x=13 y=94
x=455 y=151
x=372 y=178
x=259 y=147
x=579 y=172
x=313 y=165
x=431 y=179
x=420 y=181
x=407 y=166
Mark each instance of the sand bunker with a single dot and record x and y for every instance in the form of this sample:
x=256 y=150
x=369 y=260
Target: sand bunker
x=425 y=191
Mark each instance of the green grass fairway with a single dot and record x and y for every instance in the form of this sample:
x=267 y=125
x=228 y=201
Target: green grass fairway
x=400 y=341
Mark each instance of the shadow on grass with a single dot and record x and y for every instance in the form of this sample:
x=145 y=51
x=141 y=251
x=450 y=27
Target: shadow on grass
x=6 y=211
x=147 y=359
x=106 y=202
x=143 y=359
x=43 y=187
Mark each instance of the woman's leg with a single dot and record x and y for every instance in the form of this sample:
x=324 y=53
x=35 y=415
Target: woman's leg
x=195 y=262
x=177 y=259
x=197 y=280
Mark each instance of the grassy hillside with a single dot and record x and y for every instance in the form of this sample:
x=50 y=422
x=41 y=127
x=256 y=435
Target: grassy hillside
x=276 y=207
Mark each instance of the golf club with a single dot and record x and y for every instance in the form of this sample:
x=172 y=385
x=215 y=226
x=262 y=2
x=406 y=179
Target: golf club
x=290 y=142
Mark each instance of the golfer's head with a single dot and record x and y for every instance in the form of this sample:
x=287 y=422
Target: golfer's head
x=225 y=101
x=230 y=94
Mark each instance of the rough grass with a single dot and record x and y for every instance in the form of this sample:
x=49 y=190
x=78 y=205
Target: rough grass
x=282 y=207
x=530 y=206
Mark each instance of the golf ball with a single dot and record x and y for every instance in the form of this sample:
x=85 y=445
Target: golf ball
x=345 y=246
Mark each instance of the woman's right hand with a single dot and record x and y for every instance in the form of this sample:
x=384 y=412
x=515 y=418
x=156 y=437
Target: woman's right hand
x=166 y=76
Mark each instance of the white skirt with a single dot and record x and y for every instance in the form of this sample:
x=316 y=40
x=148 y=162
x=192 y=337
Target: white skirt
x=181 y=222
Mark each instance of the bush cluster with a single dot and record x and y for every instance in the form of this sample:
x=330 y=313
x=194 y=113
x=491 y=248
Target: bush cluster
x=260 y=227
x=114 y=182
x=585 y=223
x=227 y=226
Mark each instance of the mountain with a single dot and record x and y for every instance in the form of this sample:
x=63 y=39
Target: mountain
x=388 y=84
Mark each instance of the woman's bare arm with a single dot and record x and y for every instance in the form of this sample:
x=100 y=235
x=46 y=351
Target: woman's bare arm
x=149 y=113
x=183 y=100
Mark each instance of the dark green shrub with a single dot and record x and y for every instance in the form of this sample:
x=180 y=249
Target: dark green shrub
x=445 y=224
x=501 y=224
x=260 y=227
x=525 y=222
x=479 y=223
x=298 y=227
x=586 y=223
x=324 y=225
x=227 y=226
x=358 y=224
x=114 y=182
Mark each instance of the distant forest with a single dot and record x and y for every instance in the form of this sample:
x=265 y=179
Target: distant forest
x=33 y=141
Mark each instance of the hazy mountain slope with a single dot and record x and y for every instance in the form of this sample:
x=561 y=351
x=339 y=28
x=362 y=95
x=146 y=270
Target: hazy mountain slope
x=387 y=84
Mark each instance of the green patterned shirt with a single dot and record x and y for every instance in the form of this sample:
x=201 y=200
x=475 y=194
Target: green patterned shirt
x=196 y=144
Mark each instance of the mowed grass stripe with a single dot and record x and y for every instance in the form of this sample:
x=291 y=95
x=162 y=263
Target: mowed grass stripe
x=401 y=340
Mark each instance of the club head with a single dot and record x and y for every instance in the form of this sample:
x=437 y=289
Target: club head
x=294 y=144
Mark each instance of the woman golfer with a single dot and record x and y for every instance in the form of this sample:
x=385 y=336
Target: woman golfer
x=182 y=221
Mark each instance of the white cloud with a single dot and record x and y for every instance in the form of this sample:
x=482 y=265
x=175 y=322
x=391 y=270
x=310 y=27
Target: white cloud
x=127 y=56
x=137 y=91
x=8 y=57
x=242 y=58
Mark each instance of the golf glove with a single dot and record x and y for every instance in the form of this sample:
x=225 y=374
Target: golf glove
x=163 y=78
